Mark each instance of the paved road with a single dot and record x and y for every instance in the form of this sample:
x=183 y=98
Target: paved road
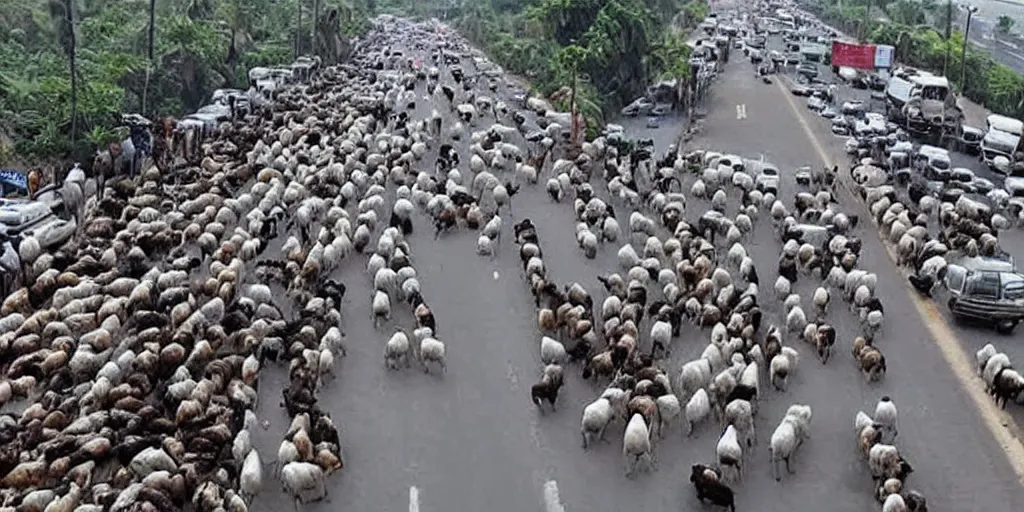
x=471 y=441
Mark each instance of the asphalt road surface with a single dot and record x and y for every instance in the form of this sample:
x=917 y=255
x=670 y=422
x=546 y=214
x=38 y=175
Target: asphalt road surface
x=470 y=440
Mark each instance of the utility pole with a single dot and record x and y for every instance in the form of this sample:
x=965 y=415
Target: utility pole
x=963 y=53
x=949 y=34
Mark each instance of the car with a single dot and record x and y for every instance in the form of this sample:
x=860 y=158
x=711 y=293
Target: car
x=661 y=109
x=810 y=234
x=815 y=103
x=639 y=106
x=829 y=113
x=652 y=122
x=799 y=90
x=808 y=69
x=951 y=193
x=1014 y=185
x=982 y=185
x=714 y=221
x=767 y=179
x=970 y=140
x=776 y=57
x=737 y=44
x=853 y=108
x=986 y=289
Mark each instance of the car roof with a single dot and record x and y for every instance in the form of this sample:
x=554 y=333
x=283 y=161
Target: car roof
x=985 y=264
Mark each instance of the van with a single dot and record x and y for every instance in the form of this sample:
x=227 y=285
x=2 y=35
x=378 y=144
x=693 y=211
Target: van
x=1002 y=139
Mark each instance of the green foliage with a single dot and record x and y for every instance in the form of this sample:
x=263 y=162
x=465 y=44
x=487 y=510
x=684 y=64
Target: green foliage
x=1005 y=25
x=989 y=83
x=191 y=48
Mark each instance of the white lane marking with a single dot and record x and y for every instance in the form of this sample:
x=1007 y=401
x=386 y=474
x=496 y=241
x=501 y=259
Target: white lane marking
x=1002 y=426
x=739 y=111
x=552 y=503
x=743 y=110
x=414 y=499
x=496 y=275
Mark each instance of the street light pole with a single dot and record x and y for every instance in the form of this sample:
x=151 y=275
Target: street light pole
x=963 y=53
x=949 y=34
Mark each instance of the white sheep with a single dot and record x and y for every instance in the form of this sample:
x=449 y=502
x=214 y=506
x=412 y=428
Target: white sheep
x=894 y=503
x=781 y=366
x=792 y=301
x=983 y=355
x=396 y=350
x=628 y=257
x=697 y=410
x=729 y=452
x=782 y=288
x=788 y=436
x=596 y=417
x=381 y=308
x=636 y=444
x=661 y=334
x=886 y=416
x=552 y=351
x=432 y=350
x=669 y=409
x=250 y=479
x=693 y=376
x=304 y=481
x=796 y=320
x=821 y=299
x=992 y=368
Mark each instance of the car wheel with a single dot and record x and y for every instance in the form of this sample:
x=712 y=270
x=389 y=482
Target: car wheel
x=1006 y=326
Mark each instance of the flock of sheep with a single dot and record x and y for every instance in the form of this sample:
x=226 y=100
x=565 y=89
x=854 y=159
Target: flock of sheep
x=140 y=343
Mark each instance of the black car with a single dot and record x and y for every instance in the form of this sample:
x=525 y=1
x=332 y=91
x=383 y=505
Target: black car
x=799 y=90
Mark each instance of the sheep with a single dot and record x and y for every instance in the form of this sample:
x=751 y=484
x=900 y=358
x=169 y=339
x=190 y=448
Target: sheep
x=894 y=503
x=697 y=410
x=552 y=352
x=547 y=388
x=397 y=350
x=596 y=417
x=729 y=452
x=695 y=375
x=886 y=416
x=820 y=299
x=788 y=436
x=381 y=308
x=708 y=484
x=304 y=481
x=983 y=355
x=868 y=434
x=432 y=350
x=636 y=444
x=885 y=462
x=993 y=366
x=1007 y=385
x=782 y=288
x=781 y=366
x=869 y=359
x=668 y=409
x=250 y=479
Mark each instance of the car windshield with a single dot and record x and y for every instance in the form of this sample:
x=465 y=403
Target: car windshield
x=983 y=284
x=1013 y=287
x=768 y=171
x=941 y=165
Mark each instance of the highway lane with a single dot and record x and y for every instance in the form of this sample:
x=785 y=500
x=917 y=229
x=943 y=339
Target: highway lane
x=972 y=335
x=470 y=439
x=922 y=381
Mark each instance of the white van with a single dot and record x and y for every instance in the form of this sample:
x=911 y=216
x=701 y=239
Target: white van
x=1003 y=138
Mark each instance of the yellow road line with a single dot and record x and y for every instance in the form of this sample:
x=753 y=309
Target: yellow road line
x=1002 y=426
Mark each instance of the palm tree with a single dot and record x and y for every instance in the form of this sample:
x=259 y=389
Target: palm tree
x=62 y=14
x=571 y=57
x=298 y=29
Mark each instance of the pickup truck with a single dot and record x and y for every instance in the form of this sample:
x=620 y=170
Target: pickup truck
x=42 y=218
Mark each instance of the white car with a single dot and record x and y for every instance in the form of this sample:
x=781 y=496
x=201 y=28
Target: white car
x=1014 y=185
x=768 y=179
x=815 y=103
x=853 y=107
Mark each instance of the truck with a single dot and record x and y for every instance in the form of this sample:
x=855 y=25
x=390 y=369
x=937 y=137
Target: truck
x=923 y=103
x=1003 y=138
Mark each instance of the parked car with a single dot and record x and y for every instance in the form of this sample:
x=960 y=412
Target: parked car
x=982 y=185
x=808 y=70
x=970 y=140
x=986 y=289
x=799 y=90
x=815 y=103
x=640 y=106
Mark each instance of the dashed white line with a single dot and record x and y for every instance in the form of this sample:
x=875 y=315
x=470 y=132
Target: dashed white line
x=741 y=111
x=552 y=503
x=414 y=499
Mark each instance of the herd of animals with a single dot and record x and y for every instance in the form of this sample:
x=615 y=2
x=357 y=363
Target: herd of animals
x=138 y=345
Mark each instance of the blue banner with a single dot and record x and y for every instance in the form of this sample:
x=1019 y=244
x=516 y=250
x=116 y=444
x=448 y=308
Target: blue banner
x=14 y=178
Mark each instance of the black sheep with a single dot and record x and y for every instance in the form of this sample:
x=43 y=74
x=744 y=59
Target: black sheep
x=707 y=482
x=548 y=387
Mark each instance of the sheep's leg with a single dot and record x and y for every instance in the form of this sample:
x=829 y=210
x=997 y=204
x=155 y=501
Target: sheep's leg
x=583 y=434
x=788 y=468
